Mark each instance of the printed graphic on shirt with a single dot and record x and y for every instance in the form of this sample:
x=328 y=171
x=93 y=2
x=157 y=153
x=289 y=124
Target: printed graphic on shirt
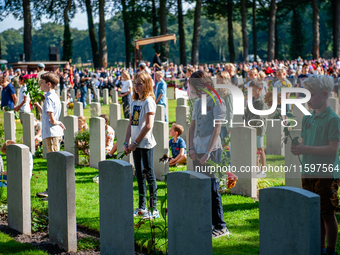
x=135 y=115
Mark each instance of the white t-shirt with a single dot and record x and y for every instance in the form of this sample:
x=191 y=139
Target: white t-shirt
x=126 y=85
x=51 y=104
x=278 y=84
x=26 y=106
x=264 y=87
x=139 y=109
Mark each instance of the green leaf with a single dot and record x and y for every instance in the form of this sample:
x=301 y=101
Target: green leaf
x=295 y=141
x=286 y=140
x=142 y=243
x=290 y=115
x=150 y=246
x=163 y=213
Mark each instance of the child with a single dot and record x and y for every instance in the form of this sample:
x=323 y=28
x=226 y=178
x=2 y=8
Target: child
x=177 y=145
x=24 y=100
x=52 y=128
x=282 y=82
x=82 y=125
x=259 y=104
x=109 y=134
x=205 y=142
x=37 y=132
x=125 y=93
x=160 y=91
x=140 y=127
x=320 y=135
x=253 y=74
x=3 y=150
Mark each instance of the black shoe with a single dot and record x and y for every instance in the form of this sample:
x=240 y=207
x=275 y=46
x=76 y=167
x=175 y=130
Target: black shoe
x=44 y=199
x=108 y=156
x=42 y=194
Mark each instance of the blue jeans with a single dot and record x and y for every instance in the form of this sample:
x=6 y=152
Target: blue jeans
x=216 y=201
x=143 y=159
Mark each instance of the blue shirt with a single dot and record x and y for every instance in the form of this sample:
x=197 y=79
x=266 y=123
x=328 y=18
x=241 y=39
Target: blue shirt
x=161 y=88
x=176 y=146
x=6 y=96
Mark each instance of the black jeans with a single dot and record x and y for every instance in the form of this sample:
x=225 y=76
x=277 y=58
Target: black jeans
x=216 y=201
x=126 y=105
x=143 y=159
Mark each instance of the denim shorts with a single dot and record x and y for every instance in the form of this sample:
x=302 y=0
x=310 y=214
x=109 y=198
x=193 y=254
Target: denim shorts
x=259 y=141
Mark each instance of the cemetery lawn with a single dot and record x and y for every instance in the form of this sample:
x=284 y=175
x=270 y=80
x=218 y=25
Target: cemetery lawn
x=9 y=246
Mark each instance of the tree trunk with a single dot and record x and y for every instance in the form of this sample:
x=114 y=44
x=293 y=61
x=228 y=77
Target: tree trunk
x=271 y=31
x=244 y=31
x=276 y=55
x=92 y=34
x=127 y=34
x=102 y=35
x=164 y=28
x=182 y=53
x=27 y=30
x=67 y=47
x=197 y=34
x=316 y=30
x=154 y=24
x=254 y=31
x=336 y=28
x=231 y=32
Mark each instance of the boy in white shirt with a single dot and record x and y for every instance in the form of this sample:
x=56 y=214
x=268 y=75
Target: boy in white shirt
x=24 y=99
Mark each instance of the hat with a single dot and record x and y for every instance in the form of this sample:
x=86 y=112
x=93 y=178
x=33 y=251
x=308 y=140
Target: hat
x=18 y=70
x=41 y=65
x=269 y=70
x=281 y=65
x=142 y=64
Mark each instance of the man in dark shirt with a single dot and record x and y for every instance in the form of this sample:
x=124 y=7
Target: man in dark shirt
x=8 y=96
x=157 y=60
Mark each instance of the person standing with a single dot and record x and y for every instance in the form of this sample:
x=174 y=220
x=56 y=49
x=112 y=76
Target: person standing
x=8 y=96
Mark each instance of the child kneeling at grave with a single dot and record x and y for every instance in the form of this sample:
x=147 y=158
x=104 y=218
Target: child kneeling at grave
x=109 y=137
x=3 y=174
x=177 y=145
x=205 y=142
x=320 y=135
x=52 y=128
x=259 y=121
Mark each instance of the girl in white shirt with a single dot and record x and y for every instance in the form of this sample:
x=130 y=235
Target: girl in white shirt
x=125 y=93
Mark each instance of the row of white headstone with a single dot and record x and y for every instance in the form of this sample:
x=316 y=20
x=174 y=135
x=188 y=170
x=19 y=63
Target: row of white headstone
x=289 y=217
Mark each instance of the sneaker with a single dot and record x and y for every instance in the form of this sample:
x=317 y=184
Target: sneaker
x=148 y=215
x=139 y=212
x=216 y=233
x=42 y=194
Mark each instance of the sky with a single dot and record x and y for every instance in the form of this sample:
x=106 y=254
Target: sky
x=79 y=21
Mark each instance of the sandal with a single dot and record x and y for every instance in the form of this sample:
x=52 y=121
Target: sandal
x=220 y=232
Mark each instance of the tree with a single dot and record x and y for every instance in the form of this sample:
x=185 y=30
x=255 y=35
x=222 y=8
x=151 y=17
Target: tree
x=297 y=41
x=316 y=31
x=154 y=23
x=92 y=35
x=126 y=33
x=271 y=31
x=244 y=30
x=164 y=28
x=182 y=53
x=197 y=34
x=67 y=47
x=231 y=31
x=254 y=31
x=27 y=30
x=336 y=27
x=102 y=35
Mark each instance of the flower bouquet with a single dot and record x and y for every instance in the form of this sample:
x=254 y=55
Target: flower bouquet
x=33 y=88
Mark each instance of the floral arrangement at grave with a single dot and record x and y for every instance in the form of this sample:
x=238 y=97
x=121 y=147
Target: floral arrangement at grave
x=171 y=83
x=33 y=88
x=8 y=109
x=82 y=142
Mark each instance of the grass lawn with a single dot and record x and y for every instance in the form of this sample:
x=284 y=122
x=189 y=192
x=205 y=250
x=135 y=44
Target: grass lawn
x=240 y=213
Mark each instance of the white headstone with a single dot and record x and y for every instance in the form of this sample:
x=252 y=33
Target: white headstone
x=122 y=125
x=9 y=122
x=160 y=114
x=293 y=175
x=78 y=109
x=28 y=135
x=115 y=112
x=95 y=109
x=97 y=141
x=161 y=134
x=105 y=96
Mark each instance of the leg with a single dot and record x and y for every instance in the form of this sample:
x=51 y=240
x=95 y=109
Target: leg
x=140 y=178
x=147 y=158
x=217 y=209
x=262 y=157
x=331 y=230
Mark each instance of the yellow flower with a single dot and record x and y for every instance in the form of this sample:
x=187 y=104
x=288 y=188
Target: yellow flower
x=284 y=83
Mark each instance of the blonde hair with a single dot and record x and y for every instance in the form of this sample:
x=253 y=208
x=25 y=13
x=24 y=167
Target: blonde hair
x=160 y=73
x=4 y=146
x=262 y=74
x=253 y=70
x=147 y=80
x=319 y=83
x=82 y=119
x=230 y=65
x=281 y=70
x=126 y=75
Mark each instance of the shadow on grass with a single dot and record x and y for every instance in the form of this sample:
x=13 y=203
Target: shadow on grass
x=11 y=247
x=240 y=207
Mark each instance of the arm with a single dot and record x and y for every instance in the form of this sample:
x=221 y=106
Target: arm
x=38 y=106
x=54 y=121
x=213 y=139
x=159 y=98
x=38 y=134
x=175 y=160
x=14 y=98
x=144 y=131
x=127 y=136
x=326 y=150
x=191 y=151
x=127 y=93
x=20 y=105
